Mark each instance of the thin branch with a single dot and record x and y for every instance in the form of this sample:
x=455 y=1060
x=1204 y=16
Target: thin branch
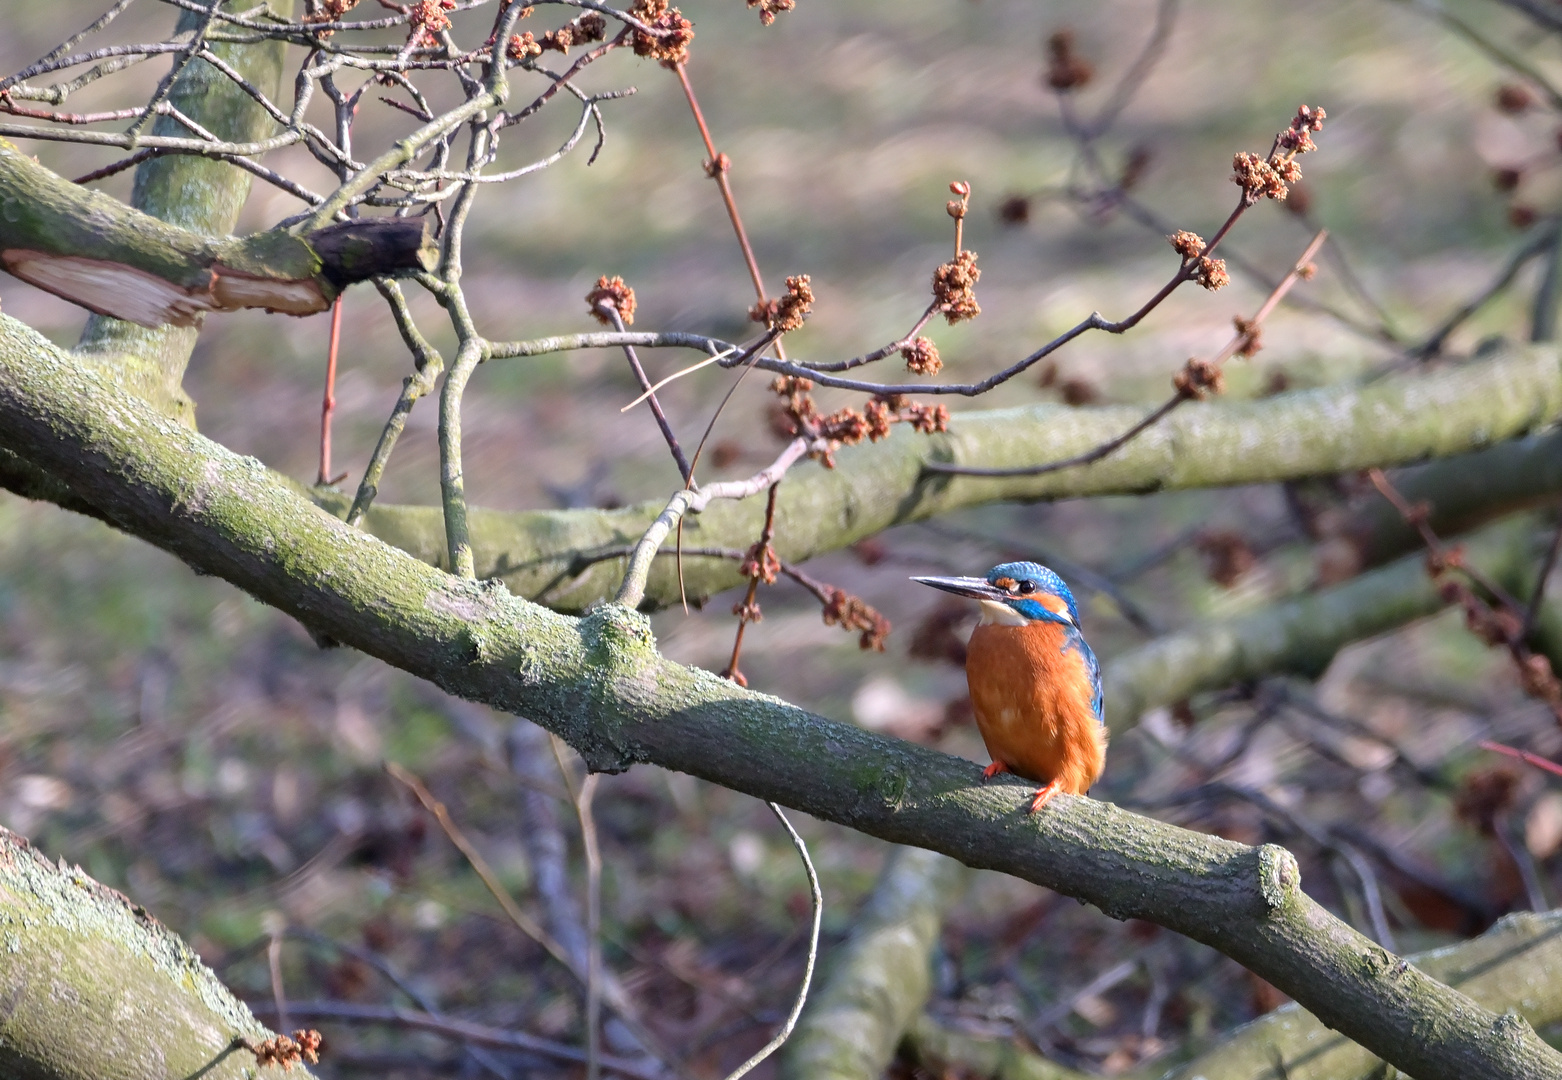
x=685 y=470
x=523 y=922
x=1181 y=397
x=817 y=897
x=691 y=501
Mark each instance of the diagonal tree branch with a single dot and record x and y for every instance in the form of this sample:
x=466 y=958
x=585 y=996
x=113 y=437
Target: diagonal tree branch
x=599 y=683
x=70 y=939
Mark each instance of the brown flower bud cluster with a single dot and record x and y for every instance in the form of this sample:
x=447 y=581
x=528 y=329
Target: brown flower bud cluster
x=588 y=28
x=1198 y=379
x=287 y=1052
x=847 y=426
x=429 y=20
x=612 y=292
x=1269 y=178
x=1208 y=272
x=768 y=9
x=1190 y=245
x=789 y=312
x=522 y=47
x=1251 y=335
x=1066 y=69
x=922 y=357
x=671 y=44
x=794 y=307
x=330 y=11
x=1212 y=274
x=761 y=562
x=853 y=613
x=954 y=285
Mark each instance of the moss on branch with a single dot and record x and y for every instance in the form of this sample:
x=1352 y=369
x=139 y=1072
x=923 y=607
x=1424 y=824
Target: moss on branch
x=95 y=987
x=599 y=683
x=880 y=979
x=1403 y=418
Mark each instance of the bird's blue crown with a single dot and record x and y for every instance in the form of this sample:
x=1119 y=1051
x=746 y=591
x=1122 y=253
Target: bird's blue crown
x=1028 y=580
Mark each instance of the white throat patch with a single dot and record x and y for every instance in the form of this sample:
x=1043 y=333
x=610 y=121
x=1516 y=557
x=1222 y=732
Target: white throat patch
x=995 y=613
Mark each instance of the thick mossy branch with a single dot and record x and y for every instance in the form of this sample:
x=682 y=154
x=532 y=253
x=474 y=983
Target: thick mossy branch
x=600 y=684
x=115 y=260
x=1403 y=418
x=880 y=979
x=95 y=987
x=1302 y=635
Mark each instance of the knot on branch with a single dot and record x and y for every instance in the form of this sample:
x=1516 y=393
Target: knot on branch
x=1279 y=876
x=715 y=167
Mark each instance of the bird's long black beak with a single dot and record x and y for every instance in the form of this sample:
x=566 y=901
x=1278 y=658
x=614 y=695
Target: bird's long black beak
x=974 y=587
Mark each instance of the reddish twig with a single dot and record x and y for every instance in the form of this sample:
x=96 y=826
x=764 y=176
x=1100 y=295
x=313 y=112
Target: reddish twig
x=716 y=167
x=763 y=564
x=1522 y=755
x=328 y=399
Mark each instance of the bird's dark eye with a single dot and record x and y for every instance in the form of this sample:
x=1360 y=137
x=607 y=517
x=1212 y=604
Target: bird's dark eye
x=1025 y=587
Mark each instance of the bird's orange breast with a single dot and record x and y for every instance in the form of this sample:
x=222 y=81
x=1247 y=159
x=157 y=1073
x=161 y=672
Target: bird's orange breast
x=1033 y=704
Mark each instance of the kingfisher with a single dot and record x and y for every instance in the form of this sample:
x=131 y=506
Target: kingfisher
x=1035 y=684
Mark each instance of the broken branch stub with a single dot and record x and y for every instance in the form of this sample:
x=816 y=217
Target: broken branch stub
x=115 y=260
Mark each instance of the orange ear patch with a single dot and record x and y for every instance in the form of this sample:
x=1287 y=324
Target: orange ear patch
x=1054 y=604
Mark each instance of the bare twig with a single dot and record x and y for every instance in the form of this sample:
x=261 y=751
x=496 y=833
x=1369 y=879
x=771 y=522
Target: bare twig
x=1184 y=394
x=813 y=952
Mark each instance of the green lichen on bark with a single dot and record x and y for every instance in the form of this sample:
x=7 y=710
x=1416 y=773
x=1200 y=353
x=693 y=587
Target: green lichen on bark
x=95 y=988
x=227 y=516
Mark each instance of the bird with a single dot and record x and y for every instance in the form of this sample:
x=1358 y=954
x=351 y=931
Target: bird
x=1035 y=684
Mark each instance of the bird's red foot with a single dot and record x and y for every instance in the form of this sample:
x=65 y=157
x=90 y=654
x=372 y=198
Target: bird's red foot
x=1044 y=796
x=993 y=770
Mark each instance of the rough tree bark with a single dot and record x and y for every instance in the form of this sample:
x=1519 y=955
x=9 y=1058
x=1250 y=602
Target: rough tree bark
x=94 y=987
